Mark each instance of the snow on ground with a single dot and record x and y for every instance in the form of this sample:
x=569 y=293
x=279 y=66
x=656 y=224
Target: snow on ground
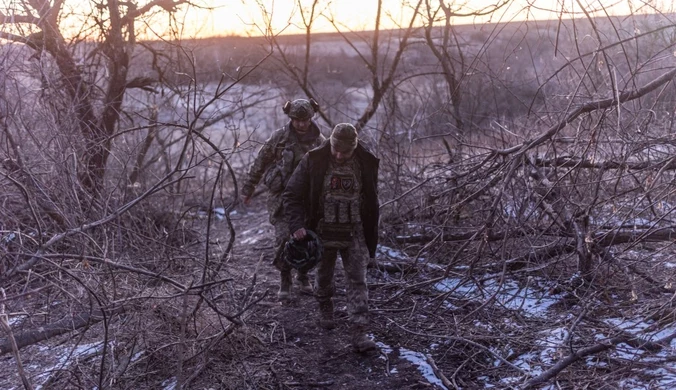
x=641 y=328
x=65 y=355
x=8 y=238
x=552 y=346
x=13 y=320
x=665 y=375
x=252 y=236
x=545 y=353
x=393 y=254
x=418 y=359
x=169 y=384
x=532 y=300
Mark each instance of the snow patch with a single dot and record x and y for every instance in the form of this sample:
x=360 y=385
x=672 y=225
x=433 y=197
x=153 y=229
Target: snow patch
x=391 y=253
x=544 y=354
x=66 y=354
x=553 y=339
x=254 y=233
x=13 y=320
x=219 y=212
x=531 y=299
x=664 y=376
x=416 y=358
x=250 y=240
x=169 y=384
x=8 y=238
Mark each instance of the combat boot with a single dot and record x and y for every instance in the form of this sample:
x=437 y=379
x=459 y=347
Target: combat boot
x=304 y=284
x=360 y=342
x=284 y=286
x=326 y=315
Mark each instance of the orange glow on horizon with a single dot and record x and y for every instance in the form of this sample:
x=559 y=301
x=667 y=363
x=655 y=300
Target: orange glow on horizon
x=248 y=18
x=264 y=17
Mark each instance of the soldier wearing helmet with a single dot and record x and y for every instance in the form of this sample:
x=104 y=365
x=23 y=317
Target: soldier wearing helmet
x=334 y=192
x=274 y=164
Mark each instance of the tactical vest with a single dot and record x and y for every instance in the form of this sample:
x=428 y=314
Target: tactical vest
x=294 y=153
x=288 y=156
x=341 y=204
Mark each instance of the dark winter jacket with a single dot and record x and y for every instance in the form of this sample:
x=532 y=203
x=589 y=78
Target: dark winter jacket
x=303 y=193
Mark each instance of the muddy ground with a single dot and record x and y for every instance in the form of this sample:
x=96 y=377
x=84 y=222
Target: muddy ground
x=436 y=327
x=292 y=351
x=277 y=346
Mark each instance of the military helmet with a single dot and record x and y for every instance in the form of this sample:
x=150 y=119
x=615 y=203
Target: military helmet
x=303 y=254
x=301 y=109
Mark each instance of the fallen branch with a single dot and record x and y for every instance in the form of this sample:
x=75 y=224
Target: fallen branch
x=624 y=236
x=310 y=384
x=437 y=372
x=589 y=107
x=668 y=164
x=466 y=341
x=57 y=328
x=15 y=349
x=572 y=358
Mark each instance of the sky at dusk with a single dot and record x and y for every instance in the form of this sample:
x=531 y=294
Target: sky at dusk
x=207 y=18
x=247 y=17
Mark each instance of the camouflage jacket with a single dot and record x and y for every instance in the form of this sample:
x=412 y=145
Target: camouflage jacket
x=303 y=194
x=277 y=159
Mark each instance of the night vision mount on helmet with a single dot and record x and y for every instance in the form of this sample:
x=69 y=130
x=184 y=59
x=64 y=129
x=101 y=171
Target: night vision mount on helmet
x=303 y=254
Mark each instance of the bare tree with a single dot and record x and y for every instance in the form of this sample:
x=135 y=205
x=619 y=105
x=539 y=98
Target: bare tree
x=149 y=138
x=95 y=114
x=380 y=63
x=447 y=47
x=558 y=189
x=577 y=191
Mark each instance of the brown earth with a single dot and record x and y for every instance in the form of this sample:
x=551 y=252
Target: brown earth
x=278 y=346
x=290 y=350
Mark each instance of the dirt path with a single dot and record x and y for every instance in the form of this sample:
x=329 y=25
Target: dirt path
x=280 y=346
x=287 y=349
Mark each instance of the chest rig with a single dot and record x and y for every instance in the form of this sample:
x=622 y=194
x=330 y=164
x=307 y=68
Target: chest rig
x=287 y=156
x=291 y=154
x=341 y=203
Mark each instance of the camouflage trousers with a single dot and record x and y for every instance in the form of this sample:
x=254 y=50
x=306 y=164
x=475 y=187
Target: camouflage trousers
x=281 y=236
x=355 y=259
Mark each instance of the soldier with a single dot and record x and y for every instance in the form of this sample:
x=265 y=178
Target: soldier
x=334 y=192
x=275 y=163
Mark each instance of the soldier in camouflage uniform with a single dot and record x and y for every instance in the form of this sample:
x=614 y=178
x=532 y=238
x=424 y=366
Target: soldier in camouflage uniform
x=334 y=192
x=274 y=164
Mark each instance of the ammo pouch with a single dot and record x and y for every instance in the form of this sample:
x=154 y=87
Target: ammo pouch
x=275 y=177
x=336 y=232
x=273 y=180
